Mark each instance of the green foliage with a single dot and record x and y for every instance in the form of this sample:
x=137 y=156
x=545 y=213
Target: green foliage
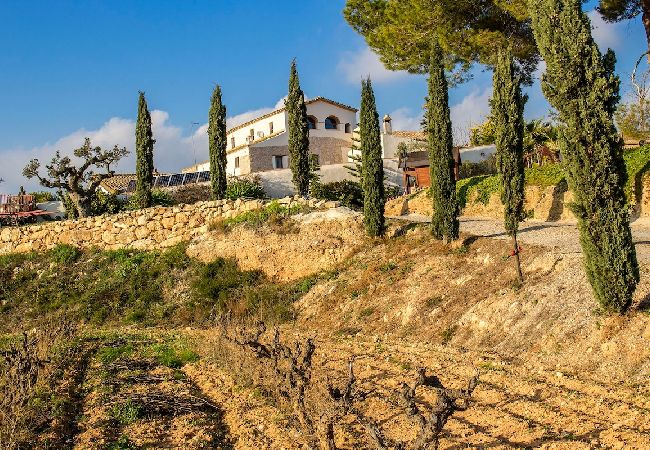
x=581 y=85
x=148 y=288
x=244 y=188
x=65 y=254
x=374 y=196
x=615 y=10
x=633 y=120
x=508 y=116
x=298 y=134
x=274 y=212
x=468 y=32
x=43 y=196
x=173 y=356
x=444 y=223
x=349 y=193
x=483 y=134
x=218 y=280
x=217 y=143
x=103 y=203
x=222 y=287
x=546 y=175
x=144 y=143
x=122 y=443
x=126 y=412
x=110 y=354
x=158 y=198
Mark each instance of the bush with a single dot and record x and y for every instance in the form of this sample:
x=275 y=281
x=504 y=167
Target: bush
x=274 y=213
x=158 y=198
x=349 y=193
x=103 y=203
x=43 y=196
x=244 y=188
x=65 y=254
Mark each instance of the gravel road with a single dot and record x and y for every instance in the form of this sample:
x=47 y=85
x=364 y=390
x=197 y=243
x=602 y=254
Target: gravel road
x=560 y=235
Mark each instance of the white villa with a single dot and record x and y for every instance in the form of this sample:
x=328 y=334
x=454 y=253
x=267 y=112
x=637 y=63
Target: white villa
x=261 y=144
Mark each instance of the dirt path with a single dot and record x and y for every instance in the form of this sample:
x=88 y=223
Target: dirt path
x=562 y=236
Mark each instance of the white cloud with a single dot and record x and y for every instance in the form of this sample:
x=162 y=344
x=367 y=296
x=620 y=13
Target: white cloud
x=606 y=34
x=471 y=111
x=403 y=119
x=358 y=65
x=172 y=152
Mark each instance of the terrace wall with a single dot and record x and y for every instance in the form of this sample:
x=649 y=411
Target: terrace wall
x=151 y=228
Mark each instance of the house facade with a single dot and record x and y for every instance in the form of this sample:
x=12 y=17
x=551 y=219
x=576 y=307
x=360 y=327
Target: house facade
x=261 y=144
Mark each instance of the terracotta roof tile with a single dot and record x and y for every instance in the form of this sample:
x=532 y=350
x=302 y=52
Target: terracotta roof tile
x=117 y=183
x=410 y=134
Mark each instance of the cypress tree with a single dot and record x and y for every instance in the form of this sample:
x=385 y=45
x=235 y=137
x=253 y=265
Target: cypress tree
x=444 y=222
x=508 y=117
x=217 y=144
x=372 y=182
x=580 y=83
x=298 y=134
x=144 y=143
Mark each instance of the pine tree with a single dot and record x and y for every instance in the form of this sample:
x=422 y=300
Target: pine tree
x=508 y=120
x=144 y=143
x=217 y=144
x=298 y=134
x=374 y=197
x=444 y=222
x=580 y=83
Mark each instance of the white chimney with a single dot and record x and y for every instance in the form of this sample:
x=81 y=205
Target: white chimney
x=388 y=127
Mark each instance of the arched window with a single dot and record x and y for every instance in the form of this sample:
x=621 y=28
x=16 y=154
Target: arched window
x=311 y=121
x=348 y=128
x=331 y=123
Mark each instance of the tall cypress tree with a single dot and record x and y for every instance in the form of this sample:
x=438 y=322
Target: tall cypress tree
x=217 y=144
x=444 y=222
x=374 y=197
x=580 y=83
x=298 y=133
x=508 y=117
x=144 y=143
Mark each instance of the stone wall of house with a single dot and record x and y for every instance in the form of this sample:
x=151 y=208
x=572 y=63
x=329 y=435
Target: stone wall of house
x=329 y=150
x=151 y=228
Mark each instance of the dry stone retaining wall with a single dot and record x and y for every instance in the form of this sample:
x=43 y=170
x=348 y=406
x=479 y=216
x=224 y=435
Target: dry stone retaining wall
x=151 y=228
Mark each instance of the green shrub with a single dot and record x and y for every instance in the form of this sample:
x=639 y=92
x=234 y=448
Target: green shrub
x=274 y=212
x=43 y=196
x=126 y=412
x=244 y=188
x=158 y=198
x=222 y=280
x=172 y=356
x=103 y=203
x=65 y=254
x=349 y=193
x=546 y=175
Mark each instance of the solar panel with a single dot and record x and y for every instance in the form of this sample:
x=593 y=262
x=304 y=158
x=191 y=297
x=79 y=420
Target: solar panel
x=203 y=176
x=162 y=181
x=190 y=178
x=176 y=179
x=131 y=186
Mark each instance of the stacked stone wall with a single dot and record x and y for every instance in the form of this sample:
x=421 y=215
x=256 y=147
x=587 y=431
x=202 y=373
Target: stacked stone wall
x=151 y=228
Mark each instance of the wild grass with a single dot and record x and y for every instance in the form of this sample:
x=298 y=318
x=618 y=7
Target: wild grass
x=145 y=288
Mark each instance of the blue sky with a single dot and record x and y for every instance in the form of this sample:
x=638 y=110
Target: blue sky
x=73 y=69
